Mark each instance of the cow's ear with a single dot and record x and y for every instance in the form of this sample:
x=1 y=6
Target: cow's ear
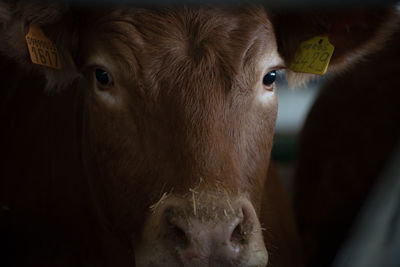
x=354 y=33
x=57 y=24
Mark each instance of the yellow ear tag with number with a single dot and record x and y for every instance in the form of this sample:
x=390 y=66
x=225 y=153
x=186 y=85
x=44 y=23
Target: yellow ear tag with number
x=41 y=49
x=313 y=56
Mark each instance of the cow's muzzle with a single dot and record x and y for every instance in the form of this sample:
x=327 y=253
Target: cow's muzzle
x=202 y=229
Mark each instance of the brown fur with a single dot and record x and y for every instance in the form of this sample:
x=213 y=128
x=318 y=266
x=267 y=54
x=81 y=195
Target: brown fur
x=277 y=216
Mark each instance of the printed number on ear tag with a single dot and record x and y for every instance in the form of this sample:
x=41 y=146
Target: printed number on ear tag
x=313 y=56
x=41 y=49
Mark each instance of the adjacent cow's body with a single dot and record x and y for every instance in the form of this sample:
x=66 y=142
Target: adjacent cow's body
x=345 y=145
x=155 y=149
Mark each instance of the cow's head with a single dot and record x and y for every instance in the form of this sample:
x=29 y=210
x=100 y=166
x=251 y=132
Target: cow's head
x=188 y=99
x=180 y=106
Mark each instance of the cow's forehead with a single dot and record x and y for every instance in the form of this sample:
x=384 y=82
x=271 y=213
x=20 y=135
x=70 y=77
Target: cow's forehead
x=168 y=38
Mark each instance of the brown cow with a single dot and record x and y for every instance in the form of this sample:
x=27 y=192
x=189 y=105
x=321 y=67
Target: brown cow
x=152 y=143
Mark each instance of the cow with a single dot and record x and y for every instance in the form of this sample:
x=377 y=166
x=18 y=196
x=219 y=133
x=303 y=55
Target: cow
x=147 y=140
x=343 y=151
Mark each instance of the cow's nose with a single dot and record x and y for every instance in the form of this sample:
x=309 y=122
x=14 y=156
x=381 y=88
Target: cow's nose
x=196 y=239
x=210 y=230
x=223 y=237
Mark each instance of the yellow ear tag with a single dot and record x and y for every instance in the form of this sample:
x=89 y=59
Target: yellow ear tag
x=313 y=56
x=41 y=49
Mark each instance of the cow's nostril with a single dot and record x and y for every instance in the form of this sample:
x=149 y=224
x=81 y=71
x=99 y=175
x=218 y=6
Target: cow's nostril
x=175 y=232
x=237 y=237
x=179 y=236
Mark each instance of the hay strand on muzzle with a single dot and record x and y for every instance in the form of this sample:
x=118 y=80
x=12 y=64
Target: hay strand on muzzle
x=159 y=202
x=194 y=201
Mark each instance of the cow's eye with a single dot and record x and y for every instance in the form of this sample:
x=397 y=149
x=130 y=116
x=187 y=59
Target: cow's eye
x=103 y=77
x=269 y=79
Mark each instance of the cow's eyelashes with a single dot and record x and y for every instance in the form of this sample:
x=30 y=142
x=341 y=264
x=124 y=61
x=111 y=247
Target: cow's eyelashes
x=269 y=80
x=103 y=78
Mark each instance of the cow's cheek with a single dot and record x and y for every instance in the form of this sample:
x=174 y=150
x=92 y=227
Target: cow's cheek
x=257 y=151
x=110 y=153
